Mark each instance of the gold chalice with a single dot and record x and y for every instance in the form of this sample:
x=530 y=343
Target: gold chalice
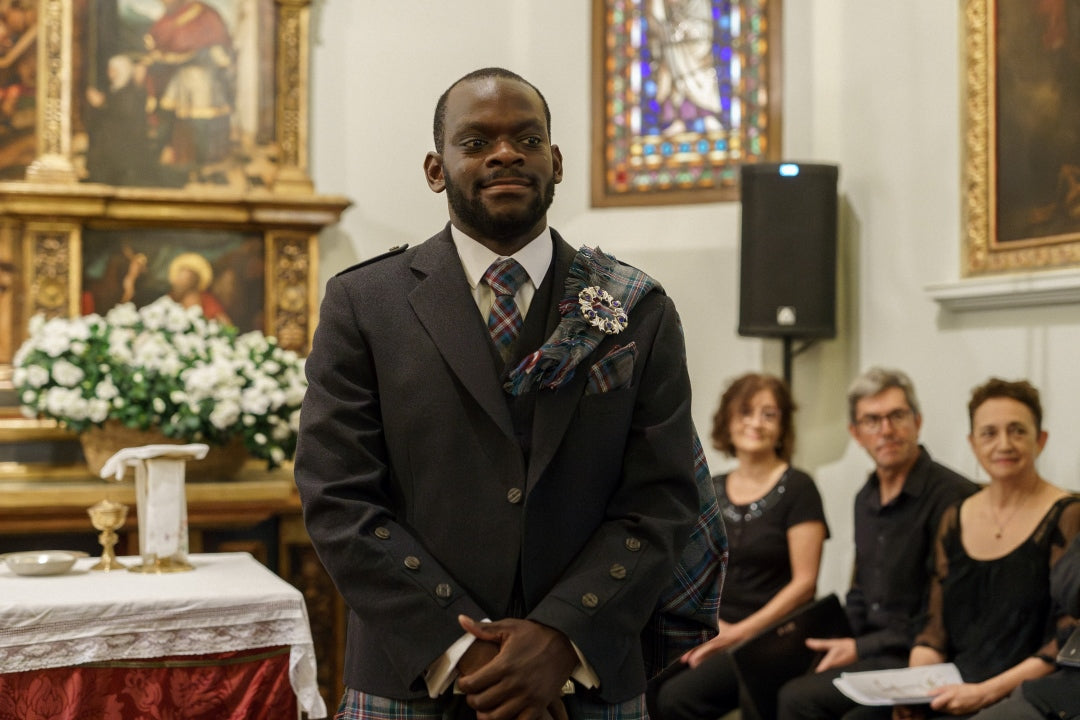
x=108 y=517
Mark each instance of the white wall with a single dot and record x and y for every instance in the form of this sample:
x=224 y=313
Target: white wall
x=873 y=86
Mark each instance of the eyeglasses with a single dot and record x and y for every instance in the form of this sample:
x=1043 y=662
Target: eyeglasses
x=769 y=416
x=872 y=423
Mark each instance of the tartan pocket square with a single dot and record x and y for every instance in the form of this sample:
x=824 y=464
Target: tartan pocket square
x=614 y=371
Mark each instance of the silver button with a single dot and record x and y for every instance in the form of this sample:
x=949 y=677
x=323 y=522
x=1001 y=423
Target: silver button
x=590 y=600
x=443 y=590
x=617 y=571
x=382 y=533
x=633 y=544
x=412 y=562
x=514 y=495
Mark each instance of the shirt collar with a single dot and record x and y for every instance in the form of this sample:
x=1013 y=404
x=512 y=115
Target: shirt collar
x=918 y=475
x=916 y=478
x=476 y=259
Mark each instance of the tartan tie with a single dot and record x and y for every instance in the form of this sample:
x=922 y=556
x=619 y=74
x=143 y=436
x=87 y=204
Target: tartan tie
x=504 y=321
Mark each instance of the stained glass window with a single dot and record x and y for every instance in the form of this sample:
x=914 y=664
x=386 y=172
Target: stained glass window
x=685 y=88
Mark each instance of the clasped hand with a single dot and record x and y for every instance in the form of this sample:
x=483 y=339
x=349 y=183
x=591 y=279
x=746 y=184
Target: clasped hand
x=515 y=669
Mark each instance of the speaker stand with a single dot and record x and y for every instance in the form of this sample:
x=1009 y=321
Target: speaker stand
x=790 y=351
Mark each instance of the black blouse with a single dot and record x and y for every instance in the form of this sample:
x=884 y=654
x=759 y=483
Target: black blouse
x=988 y=615
x=759 y=564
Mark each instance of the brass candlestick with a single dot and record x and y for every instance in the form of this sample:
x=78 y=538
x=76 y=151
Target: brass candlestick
x=108 y=517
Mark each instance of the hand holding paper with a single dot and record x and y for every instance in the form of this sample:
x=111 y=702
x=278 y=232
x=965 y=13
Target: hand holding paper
x=904 y=686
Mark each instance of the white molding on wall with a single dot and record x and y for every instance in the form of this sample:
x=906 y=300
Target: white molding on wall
x=997 y=292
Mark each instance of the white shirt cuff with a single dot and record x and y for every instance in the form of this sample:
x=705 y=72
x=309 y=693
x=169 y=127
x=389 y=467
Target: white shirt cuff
x=444 y=671
x=441 y=673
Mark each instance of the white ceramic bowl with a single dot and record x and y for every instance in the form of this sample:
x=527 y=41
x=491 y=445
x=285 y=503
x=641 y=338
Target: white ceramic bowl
x=42 y=562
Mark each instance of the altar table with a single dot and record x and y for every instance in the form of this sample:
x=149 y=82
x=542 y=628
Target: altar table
x=57 y=633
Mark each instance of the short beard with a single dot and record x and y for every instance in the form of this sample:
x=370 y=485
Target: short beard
x=476 y=216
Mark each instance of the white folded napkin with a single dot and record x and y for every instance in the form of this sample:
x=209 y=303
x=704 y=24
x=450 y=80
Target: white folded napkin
x=159 y=493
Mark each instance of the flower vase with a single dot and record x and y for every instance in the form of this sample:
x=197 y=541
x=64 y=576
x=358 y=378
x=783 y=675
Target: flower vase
x=222 y=462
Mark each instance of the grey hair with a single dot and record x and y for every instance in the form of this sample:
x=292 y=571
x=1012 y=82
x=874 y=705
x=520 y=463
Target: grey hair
x=877 y=380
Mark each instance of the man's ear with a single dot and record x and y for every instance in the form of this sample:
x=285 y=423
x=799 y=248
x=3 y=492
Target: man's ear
x=556 y=163
x=433 y=172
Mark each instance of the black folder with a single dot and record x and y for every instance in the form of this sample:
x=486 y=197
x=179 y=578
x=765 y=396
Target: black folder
x=1070 y=654
x=779 y=653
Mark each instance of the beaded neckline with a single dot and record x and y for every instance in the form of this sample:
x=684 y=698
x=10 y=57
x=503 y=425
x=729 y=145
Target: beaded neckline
x=751 y=511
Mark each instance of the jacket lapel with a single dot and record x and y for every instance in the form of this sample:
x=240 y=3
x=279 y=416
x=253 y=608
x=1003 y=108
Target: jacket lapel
x=554 y=409
x=448 y=313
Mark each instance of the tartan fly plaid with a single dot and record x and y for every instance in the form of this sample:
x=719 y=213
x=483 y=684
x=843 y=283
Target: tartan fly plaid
x=504 y=321
x=356 y=705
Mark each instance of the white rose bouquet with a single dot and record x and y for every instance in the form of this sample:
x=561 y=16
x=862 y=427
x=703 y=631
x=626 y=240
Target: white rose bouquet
x=165 y=368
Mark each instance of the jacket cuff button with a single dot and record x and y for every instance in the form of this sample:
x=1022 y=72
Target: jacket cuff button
x=633 y=544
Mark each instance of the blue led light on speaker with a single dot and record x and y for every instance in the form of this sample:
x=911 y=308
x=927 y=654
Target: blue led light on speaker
x=789 y=169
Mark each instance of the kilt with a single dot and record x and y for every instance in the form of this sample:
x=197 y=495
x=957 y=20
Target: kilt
x=356 y=705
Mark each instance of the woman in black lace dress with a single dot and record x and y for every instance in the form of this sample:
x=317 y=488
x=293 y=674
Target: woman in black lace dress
x=990 y=608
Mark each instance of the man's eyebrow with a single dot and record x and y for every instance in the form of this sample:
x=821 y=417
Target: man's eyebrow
x=482 y=127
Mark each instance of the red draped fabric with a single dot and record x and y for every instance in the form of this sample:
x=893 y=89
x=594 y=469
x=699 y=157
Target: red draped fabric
x=244 y=685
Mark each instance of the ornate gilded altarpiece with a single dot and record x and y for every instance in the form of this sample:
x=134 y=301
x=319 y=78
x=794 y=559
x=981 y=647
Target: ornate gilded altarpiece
x=684 y=93
x=140 y=130
x=1022 y=136
x=126 y=164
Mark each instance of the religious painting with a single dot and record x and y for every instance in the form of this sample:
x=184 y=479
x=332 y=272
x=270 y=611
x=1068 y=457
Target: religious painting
x=221 y=272
x=152 y=148
x=18 y=86
x=684 y=93
x=173 y=93
x=1022 y=126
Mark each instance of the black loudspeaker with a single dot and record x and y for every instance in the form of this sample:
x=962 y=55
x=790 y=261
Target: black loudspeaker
x=787 y=285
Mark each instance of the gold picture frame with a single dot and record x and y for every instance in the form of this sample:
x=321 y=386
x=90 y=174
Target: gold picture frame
x=1022 y=152
x=683 y=94
x=48 y=236
x=44 y=238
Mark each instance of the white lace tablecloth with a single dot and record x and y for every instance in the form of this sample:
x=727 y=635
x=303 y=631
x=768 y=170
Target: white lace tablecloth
x=229 y=602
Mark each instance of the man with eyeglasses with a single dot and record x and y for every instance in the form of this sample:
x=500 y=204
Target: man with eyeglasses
x=897 y=513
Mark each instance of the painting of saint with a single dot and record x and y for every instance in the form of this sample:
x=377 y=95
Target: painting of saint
x=688 y=86
x=190 y=79
x=1038 y=120
x=221 y=272
x=116 y=122
x=185 y=84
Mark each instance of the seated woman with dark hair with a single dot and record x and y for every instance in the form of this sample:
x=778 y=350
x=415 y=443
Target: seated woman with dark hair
x=776 y=529
x=990 y=609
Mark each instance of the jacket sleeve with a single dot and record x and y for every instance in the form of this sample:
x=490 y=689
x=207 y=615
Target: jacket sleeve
x=687 y=613
x=343 y=476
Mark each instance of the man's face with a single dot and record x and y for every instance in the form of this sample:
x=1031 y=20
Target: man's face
x=498 y=166
x=887 y=428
